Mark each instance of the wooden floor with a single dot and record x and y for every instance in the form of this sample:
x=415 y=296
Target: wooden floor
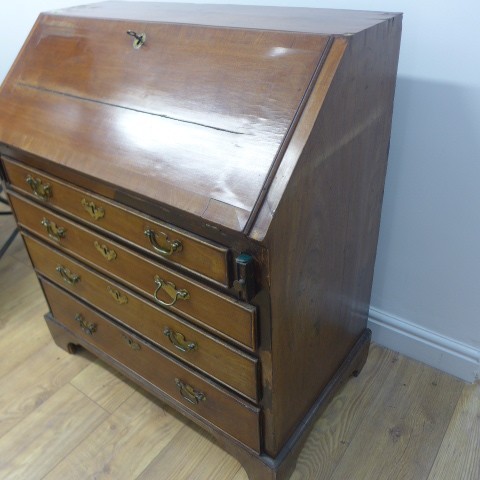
x=65 y=417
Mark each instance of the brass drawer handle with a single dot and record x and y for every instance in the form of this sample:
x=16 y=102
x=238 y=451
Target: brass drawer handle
x=95 y=212
x=119 y=297
x=178 y=340
x=131 y=343
x=106 y=252
x=39 y=189
x=54 y=232
x=87 y=327
x=171 y=290
x=67 y=275
x=175 y=246
x=189 y=393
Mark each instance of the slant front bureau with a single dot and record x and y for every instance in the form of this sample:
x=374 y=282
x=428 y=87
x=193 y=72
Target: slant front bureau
x=199 y=189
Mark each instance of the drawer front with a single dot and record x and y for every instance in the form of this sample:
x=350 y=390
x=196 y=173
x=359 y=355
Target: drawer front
x=228 y=365
x=168 y=289
x=182 y=385
x=171 y=244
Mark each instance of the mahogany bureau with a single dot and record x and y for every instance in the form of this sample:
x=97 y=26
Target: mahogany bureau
x=199 y=189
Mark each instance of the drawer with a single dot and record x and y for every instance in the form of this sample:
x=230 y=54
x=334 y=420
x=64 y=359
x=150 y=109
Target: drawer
x=202 y=305
x=181 y=384
x=228 y=365
x=171 y=244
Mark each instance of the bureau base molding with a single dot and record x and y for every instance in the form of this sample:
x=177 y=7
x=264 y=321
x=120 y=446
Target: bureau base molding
x=425 y=345
x=257 y=467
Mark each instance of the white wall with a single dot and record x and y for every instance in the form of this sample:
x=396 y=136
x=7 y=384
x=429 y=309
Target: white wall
x=426 y=295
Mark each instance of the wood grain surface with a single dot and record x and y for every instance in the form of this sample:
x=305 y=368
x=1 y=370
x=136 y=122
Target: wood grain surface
x=274 y=138
x=113 y=445
x=415 y=402
x=202 y=132
x=212 y=356
x=459 y=454
x=196 y=254
x=205 y=304
x=218 y=406
x=57 y=431
x=123 y=444
x=322 y=239
x=306 y=20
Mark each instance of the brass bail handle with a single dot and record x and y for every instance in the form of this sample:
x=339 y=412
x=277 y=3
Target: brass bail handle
x=173 y=246
x=54 y=232
x=88 y=328
x=171 y=291
x=189 y=393
x=39 y=189
x=68 y=276
x=179 y=341
x=139 y=38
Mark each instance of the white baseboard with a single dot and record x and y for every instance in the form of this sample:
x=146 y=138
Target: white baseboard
x=423 y=345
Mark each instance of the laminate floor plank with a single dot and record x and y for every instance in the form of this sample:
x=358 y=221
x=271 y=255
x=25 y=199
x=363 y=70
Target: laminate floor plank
x=7 y=222
x=22 y=329
x=104 y=385
x=240 y=475
x=11 y=272
x=21 y=344
x=33 y=381
x=401 y=433
x=45 y=436
x=18 y=252
x=19 y=289
x=459 y=454
x=334 y=431
x=191 y=455
x=123 y=445
x=16 y=249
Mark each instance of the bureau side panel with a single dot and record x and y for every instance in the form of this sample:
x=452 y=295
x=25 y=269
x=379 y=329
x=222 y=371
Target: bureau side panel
x=324 y=234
